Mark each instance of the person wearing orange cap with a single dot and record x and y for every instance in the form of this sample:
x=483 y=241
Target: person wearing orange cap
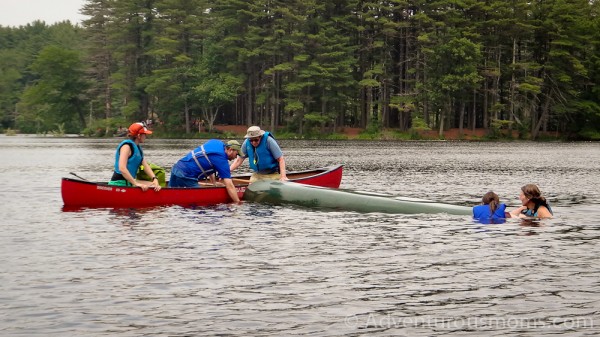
x=266 y=157
x=129 y=158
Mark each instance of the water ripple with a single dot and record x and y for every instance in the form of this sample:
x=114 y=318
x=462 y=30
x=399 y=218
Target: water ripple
x=265 y=270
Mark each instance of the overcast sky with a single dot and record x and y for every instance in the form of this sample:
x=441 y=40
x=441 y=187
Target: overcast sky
x=22 y=12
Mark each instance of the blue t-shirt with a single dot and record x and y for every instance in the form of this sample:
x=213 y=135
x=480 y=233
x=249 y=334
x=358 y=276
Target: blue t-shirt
x=217 y=161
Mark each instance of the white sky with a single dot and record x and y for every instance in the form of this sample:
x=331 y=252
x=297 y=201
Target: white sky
x=21 y=12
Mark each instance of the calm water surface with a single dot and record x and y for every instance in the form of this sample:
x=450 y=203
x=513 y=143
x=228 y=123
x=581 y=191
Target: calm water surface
x=260 y=270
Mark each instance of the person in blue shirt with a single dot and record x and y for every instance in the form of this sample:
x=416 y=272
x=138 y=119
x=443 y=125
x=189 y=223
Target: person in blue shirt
x=203 y=162
x=266 y=157
x=490 y=210
x=128 y=158
x=533 y=204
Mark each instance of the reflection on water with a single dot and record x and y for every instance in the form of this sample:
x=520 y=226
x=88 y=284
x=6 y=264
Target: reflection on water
x=267 y=270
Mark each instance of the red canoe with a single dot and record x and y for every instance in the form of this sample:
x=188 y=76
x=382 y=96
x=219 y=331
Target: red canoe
x=78 y=193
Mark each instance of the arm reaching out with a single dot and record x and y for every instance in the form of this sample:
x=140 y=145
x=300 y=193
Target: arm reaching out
x=231 y=190
x=236 y=163
x=282 y=169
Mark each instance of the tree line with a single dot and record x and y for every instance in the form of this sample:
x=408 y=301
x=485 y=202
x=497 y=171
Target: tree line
x=308 y=66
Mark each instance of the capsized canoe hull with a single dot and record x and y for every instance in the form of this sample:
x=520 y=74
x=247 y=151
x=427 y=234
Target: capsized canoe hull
x=277 y=192
x=77 y=193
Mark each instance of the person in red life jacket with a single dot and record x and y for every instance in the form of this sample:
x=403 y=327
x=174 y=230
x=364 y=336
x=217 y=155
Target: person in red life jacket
x=490 y=210
x=534 y=205
x=128 y=158
x=203 y=162
x=266 y=158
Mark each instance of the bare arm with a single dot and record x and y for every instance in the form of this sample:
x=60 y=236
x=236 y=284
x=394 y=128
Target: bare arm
x=281 y=161
x=155 y=185
x=543 y=212
x=212 y=179
x=236 y=163
x=231 y=190
x=516 y=213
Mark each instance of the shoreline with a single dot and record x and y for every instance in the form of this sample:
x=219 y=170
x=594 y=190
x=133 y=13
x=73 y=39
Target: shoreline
x=450 y=134
x=346 y=133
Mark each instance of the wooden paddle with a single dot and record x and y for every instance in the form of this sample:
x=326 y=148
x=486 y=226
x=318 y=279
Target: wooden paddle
x=82 y=178
x=240 y=181
x=235 y=180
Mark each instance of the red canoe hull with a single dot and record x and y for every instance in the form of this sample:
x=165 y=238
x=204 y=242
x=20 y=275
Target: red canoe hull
x=79 y=193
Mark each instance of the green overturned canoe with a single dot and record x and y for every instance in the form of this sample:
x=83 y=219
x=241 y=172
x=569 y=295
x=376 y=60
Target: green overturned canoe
x=277 y=192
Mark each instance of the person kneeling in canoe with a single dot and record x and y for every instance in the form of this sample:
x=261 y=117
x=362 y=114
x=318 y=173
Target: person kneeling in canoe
x=129 y=158
x=202 y=163
x=266 y=158
x=490 y=210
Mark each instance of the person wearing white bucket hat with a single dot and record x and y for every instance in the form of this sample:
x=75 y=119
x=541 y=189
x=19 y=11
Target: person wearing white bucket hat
x=266 y=157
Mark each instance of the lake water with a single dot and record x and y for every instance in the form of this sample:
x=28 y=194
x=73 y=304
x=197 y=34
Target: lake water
x=261 y=270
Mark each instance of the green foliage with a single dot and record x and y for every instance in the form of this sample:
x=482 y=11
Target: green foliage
x=105 y=127
x=454 y=66
x=501 y=124
x=368 y=136
x=315 y=122
x=304 y=64
x=531 y=85
x=286 y=134
x=414 y=135
x=293 y=105
x=374 y=127
x=59 y=131
x=228 y=135
x=373 y=131
x=336 y=136
x=500 y=129
x=57 y=93
x=398 y=135
x=419 y=124
x=590 y=134
x=368 y=82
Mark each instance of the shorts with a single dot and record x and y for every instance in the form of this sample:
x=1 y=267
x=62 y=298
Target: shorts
x=257 y=176
x=177 y=181
x=119 y=183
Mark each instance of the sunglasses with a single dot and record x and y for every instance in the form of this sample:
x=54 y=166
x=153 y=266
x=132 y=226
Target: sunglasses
x=254 y=140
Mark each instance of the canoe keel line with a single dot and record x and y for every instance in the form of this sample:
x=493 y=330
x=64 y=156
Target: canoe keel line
x=277 y=192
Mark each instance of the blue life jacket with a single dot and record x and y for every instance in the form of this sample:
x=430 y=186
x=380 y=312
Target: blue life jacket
x=197 y=164
x=261 y=159
x=134 y=161
x=483 y=214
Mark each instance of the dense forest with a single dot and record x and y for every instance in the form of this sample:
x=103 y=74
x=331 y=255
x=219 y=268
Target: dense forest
x=308 y=67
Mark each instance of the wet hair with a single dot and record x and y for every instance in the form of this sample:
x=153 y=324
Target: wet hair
x=532 y=192
x=492 y=199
